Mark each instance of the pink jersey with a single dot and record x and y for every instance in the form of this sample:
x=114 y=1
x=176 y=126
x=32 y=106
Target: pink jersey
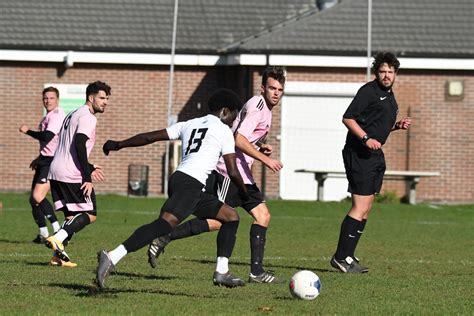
x=65 y=166
x=51 y=122
x=253 y=123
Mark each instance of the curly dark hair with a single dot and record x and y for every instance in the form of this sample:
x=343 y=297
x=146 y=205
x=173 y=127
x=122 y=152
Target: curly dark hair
x=224 y=98
x=385 y=57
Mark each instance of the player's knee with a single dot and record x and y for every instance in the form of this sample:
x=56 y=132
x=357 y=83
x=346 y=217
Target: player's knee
x=92 y=218
x=171 y=219
x=262 y=218
x=214 y=225
x=36 y=198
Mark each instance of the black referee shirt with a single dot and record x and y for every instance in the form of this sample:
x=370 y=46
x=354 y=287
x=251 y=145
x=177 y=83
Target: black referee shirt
x=375 y=110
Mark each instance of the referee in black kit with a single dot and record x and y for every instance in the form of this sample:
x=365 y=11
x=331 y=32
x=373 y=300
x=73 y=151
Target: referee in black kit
x=370 y=118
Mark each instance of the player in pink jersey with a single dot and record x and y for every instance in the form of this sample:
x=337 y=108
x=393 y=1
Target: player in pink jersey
x=250 y=131
x=48 y=139
x=71 y=174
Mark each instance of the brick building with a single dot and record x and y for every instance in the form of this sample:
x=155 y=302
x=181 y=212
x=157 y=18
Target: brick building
x=227 y=44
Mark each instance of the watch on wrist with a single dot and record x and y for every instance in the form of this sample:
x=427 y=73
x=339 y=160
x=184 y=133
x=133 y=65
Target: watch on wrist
x=365 y=138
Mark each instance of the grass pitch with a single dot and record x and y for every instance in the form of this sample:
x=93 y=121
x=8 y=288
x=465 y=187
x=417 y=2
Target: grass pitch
x=421 y=261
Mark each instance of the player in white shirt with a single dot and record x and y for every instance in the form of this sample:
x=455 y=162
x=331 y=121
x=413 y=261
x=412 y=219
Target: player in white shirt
x=48 y=140
x=71 y=174
x=205 y=140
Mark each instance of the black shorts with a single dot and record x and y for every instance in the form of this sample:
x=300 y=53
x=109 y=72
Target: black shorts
x=41 y=170
x=186 y=196
x=228 y=192
x=364 y=170
x=69 y=198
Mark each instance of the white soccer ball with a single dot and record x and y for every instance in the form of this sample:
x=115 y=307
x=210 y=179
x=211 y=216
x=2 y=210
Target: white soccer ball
x=305 y=285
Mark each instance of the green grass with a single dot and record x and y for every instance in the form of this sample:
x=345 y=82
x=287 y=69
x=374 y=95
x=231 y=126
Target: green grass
x=421 y=261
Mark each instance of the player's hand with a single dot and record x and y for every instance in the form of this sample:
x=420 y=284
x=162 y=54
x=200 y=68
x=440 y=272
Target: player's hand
x=266 y=149
x=273 y=164
x=373 y=144
x=110 y=145
x=404 y=123
x=24 y=128
x=34 y=163
x=86 y=188
x=98 y=174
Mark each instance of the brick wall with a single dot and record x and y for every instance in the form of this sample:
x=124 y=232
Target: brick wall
x=441 y=138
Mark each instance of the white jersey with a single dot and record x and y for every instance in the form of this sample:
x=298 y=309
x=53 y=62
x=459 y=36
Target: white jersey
x=204 y=140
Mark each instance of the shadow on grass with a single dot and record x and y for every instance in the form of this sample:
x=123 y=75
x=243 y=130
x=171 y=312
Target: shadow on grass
x=135 y=275
x=9 y=241
x=94 y=291
x=270 y=266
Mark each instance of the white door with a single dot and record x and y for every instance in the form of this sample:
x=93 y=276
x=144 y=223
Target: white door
x=312 y=137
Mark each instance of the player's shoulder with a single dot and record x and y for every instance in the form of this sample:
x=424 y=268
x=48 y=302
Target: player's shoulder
x=255 y=103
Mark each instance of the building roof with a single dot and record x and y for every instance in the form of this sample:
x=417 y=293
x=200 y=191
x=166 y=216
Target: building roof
x=139 y=25
x=410 y=28
x=438 y=28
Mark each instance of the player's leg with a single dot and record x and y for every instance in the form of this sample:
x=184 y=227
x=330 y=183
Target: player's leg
x=184 y=195
x=258 y=232
x=79 y=211
x=141 y=237
x=365 y=173
x=343 y=259
x=36 y=211
x=39 y=196
x=193 y=227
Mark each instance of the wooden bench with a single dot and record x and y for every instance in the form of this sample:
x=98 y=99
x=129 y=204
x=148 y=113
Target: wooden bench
x=412 y=178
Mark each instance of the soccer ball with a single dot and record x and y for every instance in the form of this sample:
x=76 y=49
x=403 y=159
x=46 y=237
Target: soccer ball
x=305 y=285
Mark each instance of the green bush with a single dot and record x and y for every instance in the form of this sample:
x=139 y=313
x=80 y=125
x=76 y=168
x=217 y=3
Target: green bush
x=388 y=197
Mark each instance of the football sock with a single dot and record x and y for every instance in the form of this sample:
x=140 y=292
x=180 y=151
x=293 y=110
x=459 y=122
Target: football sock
x=190 y=228
x=117 y=254
x=347 y=238
x=61 y=235
x=146 y=233
x=56 y=226
x=38 y=214
x=359 y=232
x=75 y=224
x=226 y=239
x=222 y=265
x=48 y=211
x=257 y=248
x=44 y=231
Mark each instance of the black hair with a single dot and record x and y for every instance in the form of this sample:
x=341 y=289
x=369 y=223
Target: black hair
x=51 y=89
x=94 y=88
x=385 y=58
x=276 y=72
x=224 y=98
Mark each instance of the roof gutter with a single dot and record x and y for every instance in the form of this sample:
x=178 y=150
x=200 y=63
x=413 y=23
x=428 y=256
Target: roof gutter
x=70 y=58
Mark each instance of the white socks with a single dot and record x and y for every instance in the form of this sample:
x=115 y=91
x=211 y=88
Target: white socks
x=61 y=235
x=117 y=254
x=222 y=265
x=56 y=226
x=44 y=231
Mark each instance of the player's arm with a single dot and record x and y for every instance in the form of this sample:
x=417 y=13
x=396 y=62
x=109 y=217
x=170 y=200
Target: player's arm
x=136 y=141
x=235 y=176
x=355 y=129
x=81 y=149
x=45 y=136
x=247 y=148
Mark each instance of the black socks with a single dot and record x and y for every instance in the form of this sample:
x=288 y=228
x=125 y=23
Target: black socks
x=257 y=248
